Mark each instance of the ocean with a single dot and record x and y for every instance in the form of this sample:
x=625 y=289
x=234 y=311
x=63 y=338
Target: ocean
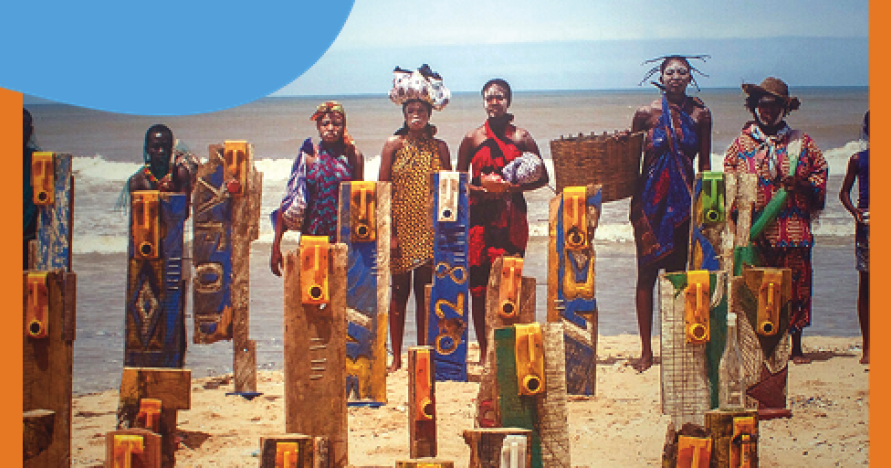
x=108 y=148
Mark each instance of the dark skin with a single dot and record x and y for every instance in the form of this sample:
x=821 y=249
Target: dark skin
x=769 y=113
x=159 y=146
x=496 y=103
x=331 y=127
x=844 y=195
x=675 y=78
x=417 y=115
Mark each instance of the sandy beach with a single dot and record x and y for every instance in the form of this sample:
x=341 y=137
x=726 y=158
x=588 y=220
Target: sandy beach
x=622 y=426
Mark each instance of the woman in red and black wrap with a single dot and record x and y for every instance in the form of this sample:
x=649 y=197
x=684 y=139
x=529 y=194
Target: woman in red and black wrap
x=498 y=223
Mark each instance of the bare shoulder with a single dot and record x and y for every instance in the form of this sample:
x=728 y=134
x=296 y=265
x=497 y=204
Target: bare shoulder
x=393 y=143
x=476 y=136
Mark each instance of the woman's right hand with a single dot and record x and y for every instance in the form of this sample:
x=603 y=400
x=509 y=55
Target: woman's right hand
x=275 y=260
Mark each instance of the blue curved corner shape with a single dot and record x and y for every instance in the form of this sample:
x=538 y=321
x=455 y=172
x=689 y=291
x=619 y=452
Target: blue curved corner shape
x=163 y=57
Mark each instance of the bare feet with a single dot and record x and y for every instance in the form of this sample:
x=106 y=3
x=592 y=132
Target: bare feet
x=643 y=363
x=801 y=359
x=395 y=365
x=865 y=358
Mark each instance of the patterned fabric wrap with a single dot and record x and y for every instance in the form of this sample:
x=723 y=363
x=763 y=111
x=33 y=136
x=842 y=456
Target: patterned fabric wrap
x=411 y=203
x=526 y=169
x=498 y=226
x=768 y=158
x=293 y=204
x=312 y=195
x=798 y=259
x=323 y=180
x=661 y=203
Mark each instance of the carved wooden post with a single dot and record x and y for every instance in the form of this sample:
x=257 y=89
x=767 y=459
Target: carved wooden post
x=315 y=340
x=516 y=410
x=710 y=250
x=49 y=301
x=762 y=301
x=49 y=317
x=364 y=225
x=573 y=218
x=449 y=301
x=226 y=202
x=507 y=287
x=689 y=302
x=421 y=402
x=553 y=423
x=155 y=334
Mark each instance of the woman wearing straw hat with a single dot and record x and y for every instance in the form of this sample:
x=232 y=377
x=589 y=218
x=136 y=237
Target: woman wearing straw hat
x=786 y=159
x=678 y=129
x=408 y=160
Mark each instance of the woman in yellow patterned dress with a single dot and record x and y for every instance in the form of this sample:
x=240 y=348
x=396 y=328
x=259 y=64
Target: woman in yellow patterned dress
x=408 y=161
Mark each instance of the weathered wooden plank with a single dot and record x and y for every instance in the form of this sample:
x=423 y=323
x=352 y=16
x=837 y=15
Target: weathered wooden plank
x=449 y=301
x=686 y=388
x=47 y=369
x=54 y=221
x=421 y=402
x=143 y=447
x=573 y=219
x=734 y=436
x=172 y=386
x=364 y=225
x=37 y=432
x=155 y=334
x=553 y=425
x=315 y=362
x=245 y=229
x=765 y=357
x=516 y=410
x=485 y=445
x=487 y=398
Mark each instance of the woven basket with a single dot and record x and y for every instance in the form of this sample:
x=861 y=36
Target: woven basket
x=613 y=161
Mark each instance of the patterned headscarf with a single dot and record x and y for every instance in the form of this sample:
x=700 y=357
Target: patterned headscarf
x=337 y=108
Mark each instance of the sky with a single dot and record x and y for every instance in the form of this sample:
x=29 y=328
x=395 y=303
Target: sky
x=592 y=44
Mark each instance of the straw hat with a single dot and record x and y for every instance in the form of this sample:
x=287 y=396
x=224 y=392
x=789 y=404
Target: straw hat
x=774 y=87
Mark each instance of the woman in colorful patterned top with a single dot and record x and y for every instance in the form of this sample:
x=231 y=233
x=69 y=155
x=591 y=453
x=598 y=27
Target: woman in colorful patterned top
x=767 y=147
x=408 y=160
x=310 y=202
x=678 y=129
x=498 y=224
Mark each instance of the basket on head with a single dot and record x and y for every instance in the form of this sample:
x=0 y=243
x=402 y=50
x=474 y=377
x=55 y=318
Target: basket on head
x=611 y=160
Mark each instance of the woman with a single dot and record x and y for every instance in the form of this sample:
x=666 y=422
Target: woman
x=678 y=129
x=408 y=160
x=311 y=200
x=498 y=224
x=788 y=159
